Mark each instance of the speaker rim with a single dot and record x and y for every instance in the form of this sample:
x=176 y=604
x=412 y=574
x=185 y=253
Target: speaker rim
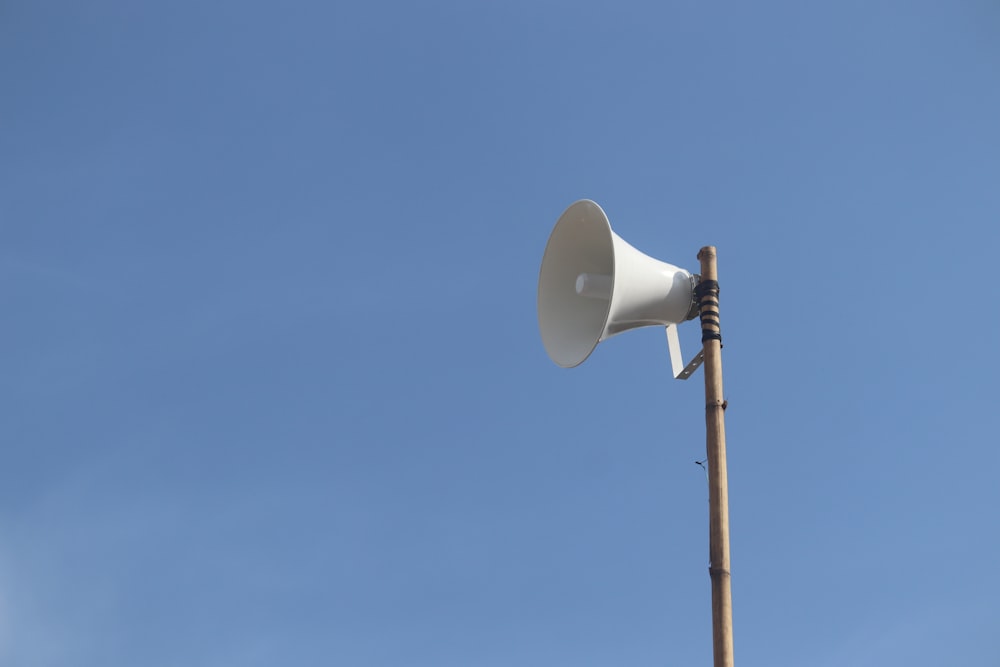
x=600 y=218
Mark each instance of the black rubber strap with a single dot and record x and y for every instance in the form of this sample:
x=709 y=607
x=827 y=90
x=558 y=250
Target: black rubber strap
x=706 y=286
x=707 y=292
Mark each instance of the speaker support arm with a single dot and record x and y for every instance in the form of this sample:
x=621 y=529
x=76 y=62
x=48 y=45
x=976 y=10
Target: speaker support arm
x=681 y=372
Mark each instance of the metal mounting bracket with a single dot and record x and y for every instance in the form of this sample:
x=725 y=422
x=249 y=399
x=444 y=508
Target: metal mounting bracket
x=681 y=372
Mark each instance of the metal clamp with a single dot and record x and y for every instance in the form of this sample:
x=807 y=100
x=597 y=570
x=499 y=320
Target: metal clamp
x=681 y=372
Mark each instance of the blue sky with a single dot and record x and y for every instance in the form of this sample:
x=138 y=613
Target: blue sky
x=272 y=381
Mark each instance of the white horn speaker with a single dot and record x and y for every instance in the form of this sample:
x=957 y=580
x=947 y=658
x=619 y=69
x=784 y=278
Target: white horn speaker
x=593 y=285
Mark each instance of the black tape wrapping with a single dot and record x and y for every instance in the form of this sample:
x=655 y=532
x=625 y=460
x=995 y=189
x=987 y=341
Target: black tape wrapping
x=707 y=292
x=704 y=287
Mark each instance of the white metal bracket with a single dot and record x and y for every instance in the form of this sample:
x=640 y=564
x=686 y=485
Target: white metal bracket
x=681 y=372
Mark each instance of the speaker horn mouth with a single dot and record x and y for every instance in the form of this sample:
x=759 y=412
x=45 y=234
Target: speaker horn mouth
x=572 y=313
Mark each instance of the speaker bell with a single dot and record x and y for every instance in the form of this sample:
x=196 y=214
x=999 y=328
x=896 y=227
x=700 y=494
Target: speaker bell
x=593 y=285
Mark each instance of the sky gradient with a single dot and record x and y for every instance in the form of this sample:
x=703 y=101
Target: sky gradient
x=273 y=386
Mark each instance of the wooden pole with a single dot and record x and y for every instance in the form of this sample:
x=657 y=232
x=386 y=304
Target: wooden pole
x=718 y=483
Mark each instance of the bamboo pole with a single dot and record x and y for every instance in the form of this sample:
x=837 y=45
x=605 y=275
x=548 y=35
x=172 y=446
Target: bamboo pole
x=718 y=483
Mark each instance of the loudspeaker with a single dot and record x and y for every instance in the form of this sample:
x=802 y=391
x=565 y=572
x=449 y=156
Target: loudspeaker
x=593 y=285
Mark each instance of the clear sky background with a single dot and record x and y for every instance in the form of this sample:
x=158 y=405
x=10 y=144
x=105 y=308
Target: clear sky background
x=271 y=381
